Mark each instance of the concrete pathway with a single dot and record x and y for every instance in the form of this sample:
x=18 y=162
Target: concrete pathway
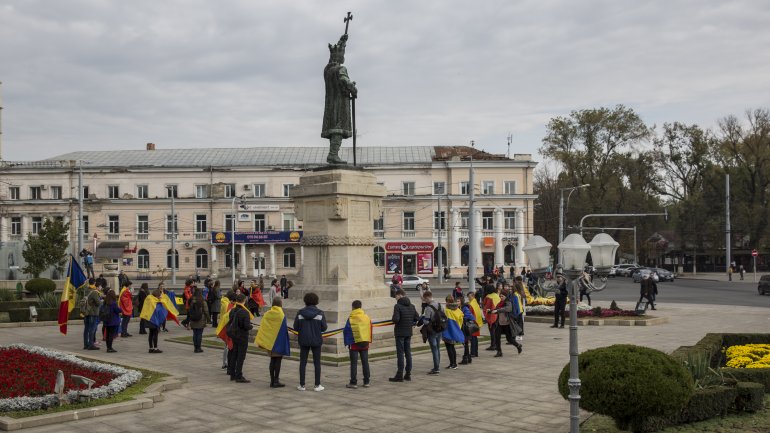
x=524 y=386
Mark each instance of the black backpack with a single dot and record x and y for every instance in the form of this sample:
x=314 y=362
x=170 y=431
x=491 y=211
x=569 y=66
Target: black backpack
x=196 y=312
x=438 y=321
x=232 y=327
x=104 y=313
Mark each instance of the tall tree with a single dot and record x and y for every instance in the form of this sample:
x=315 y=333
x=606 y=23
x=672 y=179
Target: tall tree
x=683 y=153
x=47 y=248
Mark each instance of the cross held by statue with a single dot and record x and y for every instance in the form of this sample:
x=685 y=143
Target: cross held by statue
x=347 y=20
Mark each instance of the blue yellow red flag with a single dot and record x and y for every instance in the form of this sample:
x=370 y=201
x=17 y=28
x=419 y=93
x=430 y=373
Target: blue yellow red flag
x=75 y=279
x=454 y=329
x=273 y=333
x=358 y=328
x=476 y=309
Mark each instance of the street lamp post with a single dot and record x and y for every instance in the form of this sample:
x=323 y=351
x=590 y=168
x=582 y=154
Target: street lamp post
x=561 y=209
x=574 y=250
x=232 y=235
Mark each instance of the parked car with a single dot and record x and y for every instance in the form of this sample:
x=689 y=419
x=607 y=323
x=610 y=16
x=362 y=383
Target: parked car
x=764 y=285
x=664 y=274
x=641 y=272
x=629 y=272
x=618 y=270
x=412 y=281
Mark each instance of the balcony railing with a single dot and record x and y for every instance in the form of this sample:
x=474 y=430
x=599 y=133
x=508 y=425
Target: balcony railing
x=379 y=233
x=408 y=234
x=113 y=236
x=142 y=236
x=16 y=237
x=436 y=233
x=201 y=235
x=169 y=235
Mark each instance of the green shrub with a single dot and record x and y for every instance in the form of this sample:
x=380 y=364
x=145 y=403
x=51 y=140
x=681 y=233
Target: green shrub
x=48 y=300
x=38 y=286
x=630 y=383
x=751 y=396
x=7 y=295
x=758 y=375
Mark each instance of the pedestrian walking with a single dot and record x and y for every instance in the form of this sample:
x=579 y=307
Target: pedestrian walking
x=310 y=323
x=404 y=318
x=647 y=290
x=490 y=304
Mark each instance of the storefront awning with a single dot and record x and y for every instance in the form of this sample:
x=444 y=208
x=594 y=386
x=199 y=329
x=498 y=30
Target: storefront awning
x=110 y=250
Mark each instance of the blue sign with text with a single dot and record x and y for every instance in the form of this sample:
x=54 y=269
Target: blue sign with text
x=272 y=237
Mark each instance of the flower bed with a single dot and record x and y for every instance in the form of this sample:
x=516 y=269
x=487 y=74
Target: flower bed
x=28 y=375
x=748 y=356
x=605 y=312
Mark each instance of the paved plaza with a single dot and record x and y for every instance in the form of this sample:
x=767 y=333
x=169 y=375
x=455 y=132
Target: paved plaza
x=512 y=393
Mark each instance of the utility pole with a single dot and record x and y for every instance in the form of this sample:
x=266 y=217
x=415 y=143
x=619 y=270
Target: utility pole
x=471 y=230
x=80 y=206
x=173 y=239
x=1 y=124
x=727 y=225
x=440 y=258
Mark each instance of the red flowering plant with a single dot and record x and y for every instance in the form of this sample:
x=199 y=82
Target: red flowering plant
x=605 y=312
x=28 y=377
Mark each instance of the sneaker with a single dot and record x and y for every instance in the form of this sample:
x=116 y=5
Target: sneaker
x=453 y=366
x=433 y=372
x=319 y=388
x=300 y=388
x=519 y=348
x=158 y=351
x=366 y=384
x=351 y=386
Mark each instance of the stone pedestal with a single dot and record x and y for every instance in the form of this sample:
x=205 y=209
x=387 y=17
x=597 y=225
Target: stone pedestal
x=337 y=207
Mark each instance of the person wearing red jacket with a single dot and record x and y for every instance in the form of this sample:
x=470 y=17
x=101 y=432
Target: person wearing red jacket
x=489 y=305
x=126 y=303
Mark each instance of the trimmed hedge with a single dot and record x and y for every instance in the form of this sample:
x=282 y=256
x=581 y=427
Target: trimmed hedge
x=38 y=286
x=751 y=396
x=12 y=305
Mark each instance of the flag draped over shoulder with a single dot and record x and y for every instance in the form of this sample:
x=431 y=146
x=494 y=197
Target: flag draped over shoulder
x=224 y=320
x=157 y=310
x=454 y=329
x=75 y=279
x=476 y=309
x=358 y=328
x=273 y=333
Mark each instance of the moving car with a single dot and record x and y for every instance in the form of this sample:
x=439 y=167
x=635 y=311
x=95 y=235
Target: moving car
x=764 y=285
x=641 y=272
x=664 y=274
x=412 y=281
x=618 y=270
x=629 y=272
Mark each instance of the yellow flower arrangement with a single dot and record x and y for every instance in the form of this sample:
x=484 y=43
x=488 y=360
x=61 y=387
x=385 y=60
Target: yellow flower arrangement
x=748 y=356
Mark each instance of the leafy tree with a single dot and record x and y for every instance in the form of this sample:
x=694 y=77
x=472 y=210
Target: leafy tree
x=683 y=152
x=47 y=248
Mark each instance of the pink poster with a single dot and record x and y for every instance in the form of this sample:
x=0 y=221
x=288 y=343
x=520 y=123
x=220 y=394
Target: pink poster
x=424 y=263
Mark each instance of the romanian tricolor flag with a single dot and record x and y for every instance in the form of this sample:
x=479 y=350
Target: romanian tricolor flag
x=476 y=309
x=273 y=333
x=454 y=328
x=490 y=303
x=224 y=319
x=157 y=310
x=75 y=279
x=358 y=328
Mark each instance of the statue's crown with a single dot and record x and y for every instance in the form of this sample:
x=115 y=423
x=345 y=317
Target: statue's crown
x=337 y=51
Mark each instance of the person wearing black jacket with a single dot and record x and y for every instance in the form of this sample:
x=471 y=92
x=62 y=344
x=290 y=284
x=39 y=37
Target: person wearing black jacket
x=404 y=318
x=310 y=323
x=144 y=290
x=239 y=333
x=561 y=302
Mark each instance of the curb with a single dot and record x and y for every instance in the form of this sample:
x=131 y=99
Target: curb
x=146 y=400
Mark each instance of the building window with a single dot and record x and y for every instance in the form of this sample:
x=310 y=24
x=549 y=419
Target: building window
x=113 y=191
x=510 y=187
x=289 y=258
x=37 y=224
x=486 y=220
x=16 y=226
x=171 y=191
x=201 y=258
x=172 y=224
x=287 y=189
x=14 y=193
x=201 y=223
x=408 y=188
x=288 y=221
x=439 y=188
x=488 y=187
x=85 y=223
x=143 y=259
x=35 y=193
x=228 y=260
x=443 y=258
x=172 y=254
x=113 y=224
x=229 y=190
x=259 y=190
x=201 y=191
x=408 y=221
x=259 y=222
x=56 y=193
x=509 y=255
x=379 y=257
x=464 y=188
x=464 y=220
x=142 y=191
x=229 y=222
x=86 y=192
x=439 y=220
x=509 y=218
x=464 y=254
x=379 y=227
x=142 y=224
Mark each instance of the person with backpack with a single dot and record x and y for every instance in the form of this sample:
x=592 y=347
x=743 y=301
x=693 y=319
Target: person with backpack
x=89 y=307
x=238 y=330
x=214 y=300
x=199 y=317
x=404 y=318
x=310 y=323
x=109 y=314
x=470 y=328
x=434 y=323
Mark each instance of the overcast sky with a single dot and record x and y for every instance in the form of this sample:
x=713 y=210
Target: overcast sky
x=98 y=74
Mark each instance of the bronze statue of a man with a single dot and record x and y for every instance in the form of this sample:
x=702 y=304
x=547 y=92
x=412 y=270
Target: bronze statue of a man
x=339 y=91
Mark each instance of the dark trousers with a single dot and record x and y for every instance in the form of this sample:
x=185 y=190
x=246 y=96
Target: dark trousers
x=492 y=329
x=142 y=328
x=650 y=299
x=303 y=354
x=587 y=296
x=451 y=352
x=235 y=358
x=558 y=313
x=284 y=292
x=404 y=352
x=89 y=324
x=466 y=348
x=474 y=345
x=499 y=331
x=197 y=338
x=214 y=317
x=124 y=325
x=110 y=335
x=152 y=338
x=354 y=355
x=275 y=368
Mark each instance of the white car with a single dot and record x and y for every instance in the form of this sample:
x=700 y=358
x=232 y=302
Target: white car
x=412 y=281
x=620 y=270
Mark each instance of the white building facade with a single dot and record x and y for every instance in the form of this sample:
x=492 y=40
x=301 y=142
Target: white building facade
x=128 y=198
